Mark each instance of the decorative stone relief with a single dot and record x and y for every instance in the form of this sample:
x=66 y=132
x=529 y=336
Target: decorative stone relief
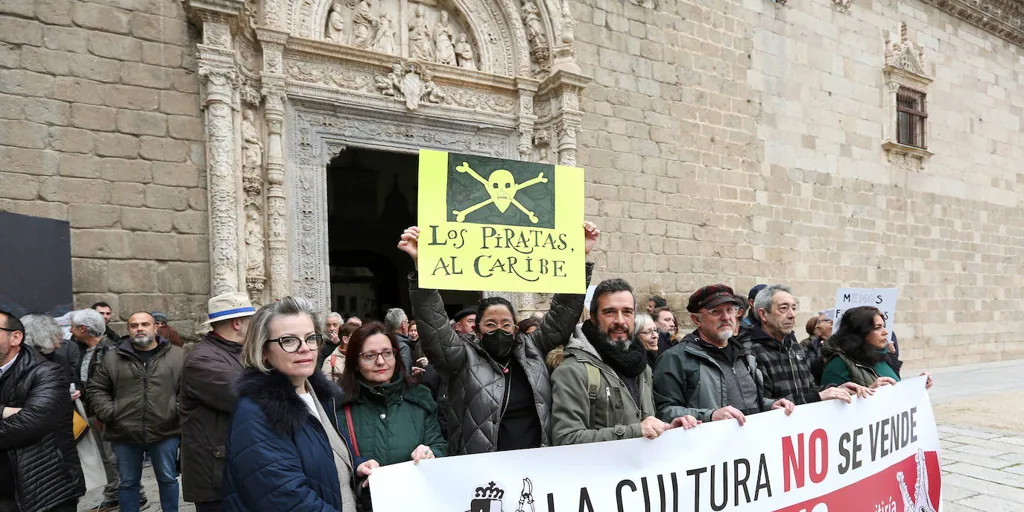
x=540 y=52
x=412 y=83
x=384 y=41
x=272 y=13
x=365 y=24
x=223 y=194
x=252 y=185
x=421 y=46
x=333 y=76
x=445 y=41
x=464 y=53
x=479 y=101
x=842 y=5
x=904 y=54
x=335 y=25
x=1004 y=18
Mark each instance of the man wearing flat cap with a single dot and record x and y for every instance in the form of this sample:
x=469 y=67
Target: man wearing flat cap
x=464 y=320
x=207 y=398
x=707 y=376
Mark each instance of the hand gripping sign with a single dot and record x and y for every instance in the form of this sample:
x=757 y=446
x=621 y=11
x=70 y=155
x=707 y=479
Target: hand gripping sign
x=471 y=237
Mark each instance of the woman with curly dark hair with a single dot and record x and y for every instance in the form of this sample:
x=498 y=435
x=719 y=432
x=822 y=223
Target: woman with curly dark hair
x=857 y=353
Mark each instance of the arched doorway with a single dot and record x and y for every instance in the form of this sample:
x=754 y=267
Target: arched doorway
x=371 y=199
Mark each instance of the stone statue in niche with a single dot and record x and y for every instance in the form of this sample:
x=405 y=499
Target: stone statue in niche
x=421 y=47
x=253 y=243
x=252 y=148
x=385 y=40
x=464 y=52
x=444 y=37
x=532 y=24
x=336 y=25
x=364 y=23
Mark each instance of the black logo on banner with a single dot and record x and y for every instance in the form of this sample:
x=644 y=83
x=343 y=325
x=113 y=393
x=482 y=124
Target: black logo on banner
x=505 y=192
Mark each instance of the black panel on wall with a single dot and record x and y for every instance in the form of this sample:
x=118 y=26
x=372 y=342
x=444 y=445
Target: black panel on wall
x=35 y=265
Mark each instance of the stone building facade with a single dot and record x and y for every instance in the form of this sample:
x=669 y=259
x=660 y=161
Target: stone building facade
x=187 y=143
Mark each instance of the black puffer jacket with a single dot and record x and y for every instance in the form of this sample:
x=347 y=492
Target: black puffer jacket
x=38 y=440
x=476 y=384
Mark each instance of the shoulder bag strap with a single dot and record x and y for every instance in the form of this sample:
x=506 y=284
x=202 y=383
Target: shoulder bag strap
x=351 y=429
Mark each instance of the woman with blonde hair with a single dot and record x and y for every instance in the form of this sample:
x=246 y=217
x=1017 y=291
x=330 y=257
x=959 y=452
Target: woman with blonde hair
x=285 y=450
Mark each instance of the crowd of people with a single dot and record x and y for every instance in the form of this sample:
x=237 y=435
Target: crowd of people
x=274 y=410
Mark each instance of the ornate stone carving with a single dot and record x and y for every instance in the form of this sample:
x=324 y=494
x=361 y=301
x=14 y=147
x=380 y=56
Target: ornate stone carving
x=217 y=35
x=364 y=23
x=444 y=37
x=904 y=54
x=252 y=184
x=842 y=5
x=384 y=42
x=421 y=46
x=464 y=53
x=535 y=35
x=333 y=76
x=568 y=25
x=411 y=83
x=479 y=101
x=335 y=25
x=272 y=13
x=220 y=162
x=1004 y=18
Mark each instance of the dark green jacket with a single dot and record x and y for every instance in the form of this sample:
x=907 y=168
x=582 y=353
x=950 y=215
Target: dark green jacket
x=615 y=414
x=391 y=421
x=688 y=381
x=849 y=370
x=138 y=403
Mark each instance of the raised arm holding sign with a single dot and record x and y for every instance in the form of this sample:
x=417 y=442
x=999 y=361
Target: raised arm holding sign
x=498 y=387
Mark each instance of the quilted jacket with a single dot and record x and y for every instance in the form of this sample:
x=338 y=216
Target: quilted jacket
x=38 y=439
x=476 y=385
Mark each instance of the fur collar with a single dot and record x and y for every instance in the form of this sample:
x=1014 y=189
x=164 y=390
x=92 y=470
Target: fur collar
x=276 y=397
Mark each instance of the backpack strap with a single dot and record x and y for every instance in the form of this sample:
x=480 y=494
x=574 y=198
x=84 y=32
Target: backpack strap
x=593 y=387
x=351 y=429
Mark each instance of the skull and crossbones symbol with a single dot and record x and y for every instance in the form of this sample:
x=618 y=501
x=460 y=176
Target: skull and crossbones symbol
x=502 y=188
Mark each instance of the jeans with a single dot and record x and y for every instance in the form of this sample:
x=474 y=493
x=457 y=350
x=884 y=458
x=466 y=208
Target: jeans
x=109 y=462
x=129 y=464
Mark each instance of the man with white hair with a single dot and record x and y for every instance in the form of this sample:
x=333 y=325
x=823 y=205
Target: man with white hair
x=333 y=324
x=88 y=330
x=397 y=322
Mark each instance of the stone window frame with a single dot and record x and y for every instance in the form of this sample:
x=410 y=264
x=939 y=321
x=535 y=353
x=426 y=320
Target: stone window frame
x=904 y=69
x=916 y=118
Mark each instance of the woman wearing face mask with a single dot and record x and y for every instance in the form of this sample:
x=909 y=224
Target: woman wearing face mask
x=498 y=388
x=386 y=416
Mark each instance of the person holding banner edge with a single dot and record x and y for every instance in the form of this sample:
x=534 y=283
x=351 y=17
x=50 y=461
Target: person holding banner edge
x=601 y=385
x=499 y=390
x=858 y=352
x=709 y=375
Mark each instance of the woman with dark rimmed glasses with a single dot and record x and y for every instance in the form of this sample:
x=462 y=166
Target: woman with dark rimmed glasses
x=285 y=450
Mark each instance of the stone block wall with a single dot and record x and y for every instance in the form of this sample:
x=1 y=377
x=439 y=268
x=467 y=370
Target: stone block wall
x=100 y=126
x=740 y=142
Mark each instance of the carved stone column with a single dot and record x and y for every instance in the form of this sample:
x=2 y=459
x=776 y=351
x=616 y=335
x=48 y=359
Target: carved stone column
x=217 y=74
x=273 y=81
x=564 y=87
x=527 y=118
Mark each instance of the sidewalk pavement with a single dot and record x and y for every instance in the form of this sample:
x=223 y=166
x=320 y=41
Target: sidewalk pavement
x=981 y=427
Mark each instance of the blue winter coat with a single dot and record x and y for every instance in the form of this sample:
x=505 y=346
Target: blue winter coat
x=278 y=457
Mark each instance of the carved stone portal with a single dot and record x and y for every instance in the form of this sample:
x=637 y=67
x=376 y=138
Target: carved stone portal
x=362 y=73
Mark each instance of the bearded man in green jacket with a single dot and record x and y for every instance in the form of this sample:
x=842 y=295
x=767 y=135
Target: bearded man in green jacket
x=601 y=385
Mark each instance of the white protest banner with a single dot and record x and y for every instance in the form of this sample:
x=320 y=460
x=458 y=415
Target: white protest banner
x=880 y=453
x=882 y=298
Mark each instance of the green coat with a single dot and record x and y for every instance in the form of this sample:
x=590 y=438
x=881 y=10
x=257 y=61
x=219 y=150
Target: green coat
x=841 y=368
x=391 y=421
x=615 y=414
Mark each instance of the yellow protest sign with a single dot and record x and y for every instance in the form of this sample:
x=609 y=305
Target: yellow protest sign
x=500 y=225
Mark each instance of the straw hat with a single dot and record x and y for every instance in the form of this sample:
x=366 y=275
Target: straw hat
x=229 y=305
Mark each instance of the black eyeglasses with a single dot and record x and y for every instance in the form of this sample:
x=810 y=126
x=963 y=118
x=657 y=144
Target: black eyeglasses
x=10 y=330
x=292 y=343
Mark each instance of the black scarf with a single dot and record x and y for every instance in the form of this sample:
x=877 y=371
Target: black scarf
x=629 y=363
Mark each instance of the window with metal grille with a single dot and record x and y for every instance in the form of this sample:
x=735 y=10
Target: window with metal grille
x=911 y=116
